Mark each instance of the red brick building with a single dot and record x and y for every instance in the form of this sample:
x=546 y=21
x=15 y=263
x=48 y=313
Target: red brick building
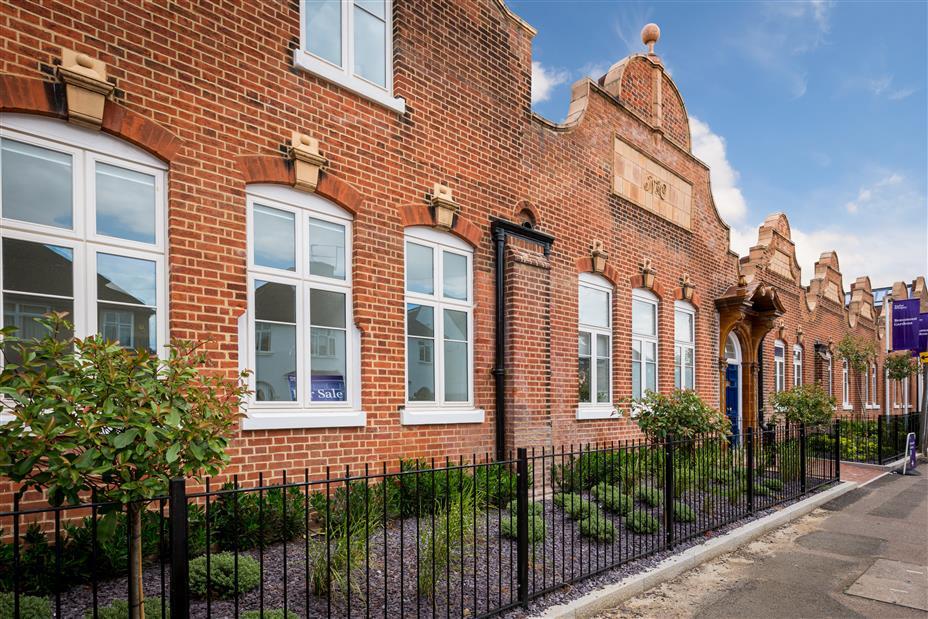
x=355 y=201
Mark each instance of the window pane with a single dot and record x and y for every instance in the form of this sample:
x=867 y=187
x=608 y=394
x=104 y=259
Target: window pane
x=419 y=269
x=275 y=239
x=132 y=327
x=420 y=369
x=643 y=317
x=326 y=249
x=126 y=280
x=636 y=350
x=36 y=184
x=689 y=381
x=275 y=368
x=420 y=320
x=370 y=47
x=374 y=7
x=125 y=203
x=324 y=29
x=602 y=380
x=455 y=325
x=677 y=378
x=586 y=379
x=456 y=371
x=683 y=326
x=454 y=275
x=275 y=302
x=22 y=310
x=603 y=347
x=594 y=307
x=37 y=267
x=636 y=379
x=328 y=360
x=650 y=351
x=327 y=309
x=689 y=355
x=650 y=376
x=778 y=352
x=585 y=344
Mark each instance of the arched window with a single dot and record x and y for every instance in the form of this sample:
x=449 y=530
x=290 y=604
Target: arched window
x=684 y=350
x=304 y=345
x=83 y=231
x=797 y=365
x=644 y=342
x=439 y=329
x=779 y=366
x=845 y=385
x=594 y=346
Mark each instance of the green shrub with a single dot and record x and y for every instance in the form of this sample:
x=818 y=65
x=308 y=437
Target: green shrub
x=244 y=520
x=761 y=490
x=581 y=472
x=536 y=527
x=597 y=526
x=650 y=496
x=119 y=609
x=533 y=507
x=222 y=575
x=612 y=499
x=640 y=522
x=573 y=504
x=329 y=557
x=274 y=613
x=30 y=607
x=683 y=512
x=681 y=414
x=440 y=542
x=808 y=403
x=788 y=461
x=365 y=502
x=732 y=493
x=773 y=484
x=685 y=479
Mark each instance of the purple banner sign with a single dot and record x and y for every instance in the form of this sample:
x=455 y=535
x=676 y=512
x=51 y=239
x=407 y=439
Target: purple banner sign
x=923 y=332
x=905 y=324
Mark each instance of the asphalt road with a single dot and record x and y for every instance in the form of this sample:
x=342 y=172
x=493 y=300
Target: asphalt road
x=869 y=543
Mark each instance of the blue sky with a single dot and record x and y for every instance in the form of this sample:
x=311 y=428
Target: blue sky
x=817 y=109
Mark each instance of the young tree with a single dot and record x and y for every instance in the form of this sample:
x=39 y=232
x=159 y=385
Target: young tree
x=858 y=353
x=809 y=404
x=682 y=415
x=88 y=415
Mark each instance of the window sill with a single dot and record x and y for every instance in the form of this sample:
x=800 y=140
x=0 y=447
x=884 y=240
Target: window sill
x=847 y=407
x=597 y=412
x=315 y=418
x=422 y=417
x=381 y=96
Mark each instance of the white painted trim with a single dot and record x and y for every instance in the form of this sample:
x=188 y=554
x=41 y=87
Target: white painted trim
x=737 y=361
x=597 y=283
x=586 y=411
x=419 y=416
x=315 y=418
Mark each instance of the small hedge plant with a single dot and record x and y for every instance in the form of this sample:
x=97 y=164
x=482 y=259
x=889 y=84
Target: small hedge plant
x=650 y=496
x=222 y=575
x=533 y=507
x=775 y=485
x=640 y=522
x=683 y=512
x=30 y=607
x=612 y=499
x=119 y=609
x=597 y=526
x=509 y=527
x=274 y=613
x=573 y=504
x=245 y=519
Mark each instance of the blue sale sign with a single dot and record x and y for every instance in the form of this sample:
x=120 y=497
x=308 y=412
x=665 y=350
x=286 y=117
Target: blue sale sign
x=911 y=454
x=328 y=388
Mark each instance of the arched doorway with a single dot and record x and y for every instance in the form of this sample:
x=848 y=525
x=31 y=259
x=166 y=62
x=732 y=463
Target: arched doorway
x=733 y=383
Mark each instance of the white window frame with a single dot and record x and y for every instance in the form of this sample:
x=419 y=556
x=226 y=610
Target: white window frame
x=846 y=386
x=874 y=392
x=831 y=375
x=866 y=394
x=797 y=365
x=646 y=296
x=593 y=409
x=779 y=366
x=302 y=413
x=86 y=148
x=683 y=345
x=344 y=75
x=440 y=411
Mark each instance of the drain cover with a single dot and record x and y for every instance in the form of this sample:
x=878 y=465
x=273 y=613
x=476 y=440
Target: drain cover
x=894 y=582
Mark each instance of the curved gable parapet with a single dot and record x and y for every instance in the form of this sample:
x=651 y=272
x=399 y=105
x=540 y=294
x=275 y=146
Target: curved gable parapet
x=861 y=304
x=521 y=23
x=775 y=251
x=827 y=284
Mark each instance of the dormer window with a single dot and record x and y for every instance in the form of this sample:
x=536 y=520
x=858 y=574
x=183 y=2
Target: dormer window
x=350 y=43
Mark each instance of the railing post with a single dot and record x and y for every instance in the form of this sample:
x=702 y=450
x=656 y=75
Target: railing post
x=668 y=490
x=802 y=457
x=749 y=445
x=522 y=522
x=837 y=448
x=180 y=607
x=879 y=439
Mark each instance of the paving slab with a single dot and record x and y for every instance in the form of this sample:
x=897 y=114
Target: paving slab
x=895 y=582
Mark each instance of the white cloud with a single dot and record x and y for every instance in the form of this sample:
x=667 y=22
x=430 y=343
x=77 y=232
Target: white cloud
x=866 y=194
x=710 y=147
x=880 y=86
x=544 y=80
x=595 y=70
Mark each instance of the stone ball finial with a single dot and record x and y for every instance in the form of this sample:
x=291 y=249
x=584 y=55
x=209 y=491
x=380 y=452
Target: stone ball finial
x=650 y=35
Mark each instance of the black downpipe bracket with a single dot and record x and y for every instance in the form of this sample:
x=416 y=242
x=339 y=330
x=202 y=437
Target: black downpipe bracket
x=502 y=230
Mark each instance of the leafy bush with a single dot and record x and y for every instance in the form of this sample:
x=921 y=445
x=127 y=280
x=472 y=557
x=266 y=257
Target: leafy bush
x=222 y=575
x=573 y=504
x=439 y=541
x=597 y=526
x=244 y=520
x=809 y=404
x=650 y=496
x=733 y=493
x=578 y=473
x=274 y=613
x=685 y=479
x=533 y=507
x=30 y=607
x=788 y=461
x=537 y=530
x=36 y=562
x=360 y=501
x=640 y=522
x=681 y=414
x=329 y=557
x=683 y=512
x=612 y=499
x=773 y=484
x=900 y=366
x=119 y=609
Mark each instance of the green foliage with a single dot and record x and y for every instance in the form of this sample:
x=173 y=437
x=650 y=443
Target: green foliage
x=30 y=607
x=88 y=414
x=222 y=575
x=533 y=507
x=900 y=366
x=536 y=527
x=685 y=479
x=612 y=499
x=274 y=613
x=809 y=404
x=857 y=351
x=574 y=505
x=681 y=414
x=119 y=609
x=428 y=490
x=597 y=526
x=683 y=512
x=243 y=520
x=334 y=559
x=732 y=493
x=640 y=522
x=441 y=543
x=774 y=485
x=361 y=500
x=788 y=461
x=581 y=472
x=648 y=495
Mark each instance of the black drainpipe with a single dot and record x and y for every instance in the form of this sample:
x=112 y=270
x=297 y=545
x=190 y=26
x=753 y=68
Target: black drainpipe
x=760 y=382
x=502 y=230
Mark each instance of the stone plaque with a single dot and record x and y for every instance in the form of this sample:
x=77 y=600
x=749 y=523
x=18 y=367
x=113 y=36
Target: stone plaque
x=643 y=181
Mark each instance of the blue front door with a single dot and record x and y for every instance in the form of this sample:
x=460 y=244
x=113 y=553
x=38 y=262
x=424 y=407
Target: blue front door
x=732 y=405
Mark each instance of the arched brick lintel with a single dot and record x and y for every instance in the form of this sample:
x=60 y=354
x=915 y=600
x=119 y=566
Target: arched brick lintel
x=585 y=265
x=26 y=95
x=421 y=215
x=279 y=171
x=637 y=281
x=695 y=301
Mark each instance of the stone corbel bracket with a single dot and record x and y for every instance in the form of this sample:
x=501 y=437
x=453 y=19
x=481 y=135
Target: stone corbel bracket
x=444 y=206
x=307 y=161
x=598 y=256
x=86 y=87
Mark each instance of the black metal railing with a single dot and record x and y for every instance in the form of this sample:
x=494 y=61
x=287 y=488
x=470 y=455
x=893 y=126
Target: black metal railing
x=458 y=538
x=876 y=439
